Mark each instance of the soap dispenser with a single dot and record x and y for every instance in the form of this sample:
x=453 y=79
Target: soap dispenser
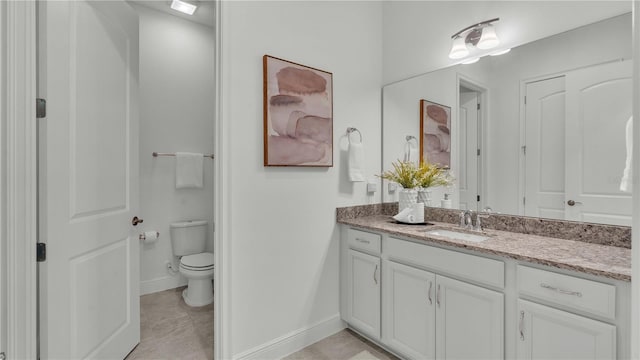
x=446 y=202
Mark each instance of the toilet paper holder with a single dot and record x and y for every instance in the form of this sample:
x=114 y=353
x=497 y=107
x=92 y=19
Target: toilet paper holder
x=143 y=236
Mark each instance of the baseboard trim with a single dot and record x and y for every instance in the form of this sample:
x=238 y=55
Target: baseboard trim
x=295 y=340
x=161 y=284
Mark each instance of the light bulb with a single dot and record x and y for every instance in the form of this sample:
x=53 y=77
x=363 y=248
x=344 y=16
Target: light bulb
x=458 y=49
x=489 y=39
x=183 y=7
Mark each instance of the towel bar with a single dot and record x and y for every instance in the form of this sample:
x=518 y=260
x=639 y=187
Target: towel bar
x=352 y=129
x=156 y=154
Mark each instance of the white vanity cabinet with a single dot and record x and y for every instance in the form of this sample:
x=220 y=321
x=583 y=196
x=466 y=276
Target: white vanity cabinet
x=423 y=301
x=548 y=333
x=429 y=316
x=545 y=332
x=363 y=272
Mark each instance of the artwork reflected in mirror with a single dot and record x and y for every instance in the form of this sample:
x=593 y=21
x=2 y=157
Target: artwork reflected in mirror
x=298 y=114
x=435 y=128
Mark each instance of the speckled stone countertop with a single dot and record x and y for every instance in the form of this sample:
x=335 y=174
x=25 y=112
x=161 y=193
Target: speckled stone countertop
x=596 y=259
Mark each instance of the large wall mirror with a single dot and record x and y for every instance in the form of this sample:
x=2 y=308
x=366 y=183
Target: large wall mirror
x=539 y=131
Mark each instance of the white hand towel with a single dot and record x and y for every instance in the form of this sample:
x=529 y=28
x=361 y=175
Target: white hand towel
x=189 y=170
x=626 y=183
x=356 y=162
x=405 y=215
x=411 y=152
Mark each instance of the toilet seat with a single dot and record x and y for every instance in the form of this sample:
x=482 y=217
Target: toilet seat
x=198 y=262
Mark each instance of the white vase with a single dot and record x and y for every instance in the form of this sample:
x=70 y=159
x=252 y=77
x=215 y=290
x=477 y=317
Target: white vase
x=424 y=196
x=407 y=198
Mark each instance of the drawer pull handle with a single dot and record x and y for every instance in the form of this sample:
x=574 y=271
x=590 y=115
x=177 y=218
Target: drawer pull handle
x=363 y=241
x=375 y=274
x=561 y=291
x=430 y=286
x=521 y=326
x=438 y=296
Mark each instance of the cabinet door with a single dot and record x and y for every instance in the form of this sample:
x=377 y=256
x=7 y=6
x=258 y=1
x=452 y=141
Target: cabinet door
x=409 y=310
x=363 y=273
x=547 y=333
x=469 y=321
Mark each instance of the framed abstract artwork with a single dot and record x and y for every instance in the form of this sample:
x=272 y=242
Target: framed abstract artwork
x=298 y=114
x=435 y=133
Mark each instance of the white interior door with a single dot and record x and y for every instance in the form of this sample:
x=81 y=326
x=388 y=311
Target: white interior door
x=89 y=285
x=545 y=145
x=598 y=107
x=468 y=176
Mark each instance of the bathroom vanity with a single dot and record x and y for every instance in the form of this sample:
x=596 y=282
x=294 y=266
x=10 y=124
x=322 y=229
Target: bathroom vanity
x=511 y=296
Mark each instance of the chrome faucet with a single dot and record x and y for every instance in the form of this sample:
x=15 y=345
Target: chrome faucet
x=465 y=220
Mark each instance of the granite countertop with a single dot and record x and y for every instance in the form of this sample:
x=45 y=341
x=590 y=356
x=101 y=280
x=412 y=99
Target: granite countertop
x=595 y=259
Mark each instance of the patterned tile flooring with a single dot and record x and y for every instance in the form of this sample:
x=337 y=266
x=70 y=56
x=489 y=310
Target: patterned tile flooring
x=341 y=346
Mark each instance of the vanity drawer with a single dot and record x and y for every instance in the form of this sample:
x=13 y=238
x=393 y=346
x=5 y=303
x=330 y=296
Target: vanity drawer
x=447 y=262
x=363 y=240
x=580 y=294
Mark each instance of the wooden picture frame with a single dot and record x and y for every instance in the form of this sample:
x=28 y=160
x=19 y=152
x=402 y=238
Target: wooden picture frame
x=435 y=133
x=298 y=114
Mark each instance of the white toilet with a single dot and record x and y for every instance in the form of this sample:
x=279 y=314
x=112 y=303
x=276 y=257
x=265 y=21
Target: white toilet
x=188 y=239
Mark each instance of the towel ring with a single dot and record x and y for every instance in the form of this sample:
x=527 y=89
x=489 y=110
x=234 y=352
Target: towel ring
x=410 y=137
x=352 y=129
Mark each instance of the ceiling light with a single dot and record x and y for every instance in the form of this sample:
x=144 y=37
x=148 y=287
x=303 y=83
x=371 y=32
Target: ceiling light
x=183 y=7
x=459 y=49
x=489 y=39
x=481 y=35
x=500 y=52
x=471 y=61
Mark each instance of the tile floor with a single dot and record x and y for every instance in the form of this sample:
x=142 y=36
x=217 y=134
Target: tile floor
x=341 y=346
x=169 y=329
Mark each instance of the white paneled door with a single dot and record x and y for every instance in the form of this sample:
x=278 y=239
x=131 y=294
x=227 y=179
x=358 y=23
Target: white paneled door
x=469 y=151
x=545 y=145
x=89 y=284
x=598 y=107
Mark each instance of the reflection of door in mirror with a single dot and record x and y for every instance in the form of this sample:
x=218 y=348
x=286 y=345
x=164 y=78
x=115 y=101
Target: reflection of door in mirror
x=468 y=178
x=581 y=115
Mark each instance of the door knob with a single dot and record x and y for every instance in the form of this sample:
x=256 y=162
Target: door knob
x=135 y=221
x=571 y=202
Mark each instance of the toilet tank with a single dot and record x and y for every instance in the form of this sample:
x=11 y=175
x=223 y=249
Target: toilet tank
x=188 y=237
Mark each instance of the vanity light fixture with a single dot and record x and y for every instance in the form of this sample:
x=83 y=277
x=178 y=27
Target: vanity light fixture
x=183 y=7
x=481 y=35
x=500 y=52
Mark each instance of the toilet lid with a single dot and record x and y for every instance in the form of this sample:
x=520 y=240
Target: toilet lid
x=201 y=260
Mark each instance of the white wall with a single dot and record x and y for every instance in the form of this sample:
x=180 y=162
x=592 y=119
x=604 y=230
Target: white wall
x=3 y=182
x=284 y=260
x=176 y=114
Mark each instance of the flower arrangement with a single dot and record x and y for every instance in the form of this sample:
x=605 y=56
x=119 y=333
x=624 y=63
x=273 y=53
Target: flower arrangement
x=410 y=176
x=404 y=173
x=430 y=175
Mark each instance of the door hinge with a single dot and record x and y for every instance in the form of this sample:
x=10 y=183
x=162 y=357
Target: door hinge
x=525 y=100
x=41 y=253
x=524 y=201
x=524 y=149
x=41 y=110
x=478 y=197
x=478 y=106
x=478 y=152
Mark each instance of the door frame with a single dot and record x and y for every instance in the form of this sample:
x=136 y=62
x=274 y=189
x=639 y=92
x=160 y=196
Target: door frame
x=19 y=169
x=18 y=185
x=483 y=126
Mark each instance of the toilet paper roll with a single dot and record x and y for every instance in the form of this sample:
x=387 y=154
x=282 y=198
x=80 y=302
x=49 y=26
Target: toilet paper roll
x=149 y=237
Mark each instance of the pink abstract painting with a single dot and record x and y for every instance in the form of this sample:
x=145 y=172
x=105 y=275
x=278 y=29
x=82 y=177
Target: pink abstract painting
x=435 y=129
x=298 y=114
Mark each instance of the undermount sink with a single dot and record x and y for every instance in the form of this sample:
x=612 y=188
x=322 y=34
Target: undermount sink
x=457 y=235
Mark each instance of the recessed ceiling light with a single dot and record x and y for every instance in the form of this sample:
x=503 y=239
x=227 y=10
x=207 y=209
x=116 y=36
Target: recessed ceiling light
x=183 y=7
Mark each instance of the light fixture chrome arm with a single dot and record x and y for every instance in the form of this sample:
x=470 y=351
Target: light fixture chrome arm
x=486 y=22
